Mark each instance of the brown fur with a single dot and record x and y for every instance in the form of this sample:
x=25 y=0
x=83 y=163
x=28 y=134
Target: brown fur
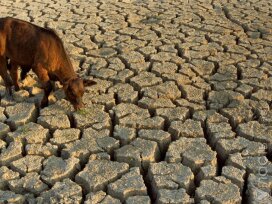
x=41 y=49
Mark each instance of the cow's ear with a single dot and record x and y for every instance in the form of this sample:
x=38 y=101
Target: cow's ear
x=88 y=82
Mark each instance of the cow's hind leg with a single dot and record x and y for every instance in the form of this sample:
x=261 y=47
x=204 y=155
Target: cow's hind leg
x=5 y=76
x=46 y=84
x=14 y=75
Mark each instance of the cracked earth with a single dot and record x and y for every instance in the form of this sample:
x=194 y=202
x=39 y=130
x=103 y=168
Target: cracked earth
x=181 y=112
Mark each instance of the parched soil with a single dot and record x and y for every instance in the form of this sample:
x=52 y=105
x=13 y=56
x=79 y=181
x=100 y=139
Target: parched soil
x=181 y=112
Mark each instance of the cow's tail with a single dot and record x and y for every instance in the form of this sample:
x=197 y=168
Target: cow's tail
x=2 y=37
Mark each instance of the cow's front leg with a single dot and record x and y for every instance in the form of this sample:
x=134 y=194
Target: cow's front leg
x=46 y=84
x=47 y=87
x=5 y=76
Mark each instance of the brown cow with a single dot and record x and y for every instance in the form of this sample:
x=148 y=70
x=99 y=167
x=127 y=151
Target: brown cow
x=28 y=45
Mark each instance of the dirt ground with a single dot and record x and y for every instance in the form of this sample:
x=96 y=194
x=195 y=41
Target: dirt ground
x=181 y=112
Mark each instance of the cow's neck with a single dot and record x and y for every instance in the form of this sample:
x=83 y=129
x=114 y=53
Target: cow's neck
x=67 y=77
x=66 y=72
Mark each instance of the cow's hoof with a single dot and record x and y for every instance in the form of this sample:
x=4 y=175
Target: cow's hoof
x=44 y=103
x=16 y=88
x=9 y=97
x=9 y=94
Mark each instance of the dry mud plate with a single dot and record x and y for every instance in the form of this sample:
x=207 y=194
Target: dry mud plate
x=181 y=112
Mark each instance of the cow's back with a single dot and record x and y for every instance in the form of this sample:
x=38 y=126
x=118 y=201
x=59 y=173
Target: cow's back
x=22 y=41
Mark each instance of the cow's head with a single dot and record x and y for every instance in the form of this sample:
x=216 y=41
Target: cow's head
x=74 y=90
